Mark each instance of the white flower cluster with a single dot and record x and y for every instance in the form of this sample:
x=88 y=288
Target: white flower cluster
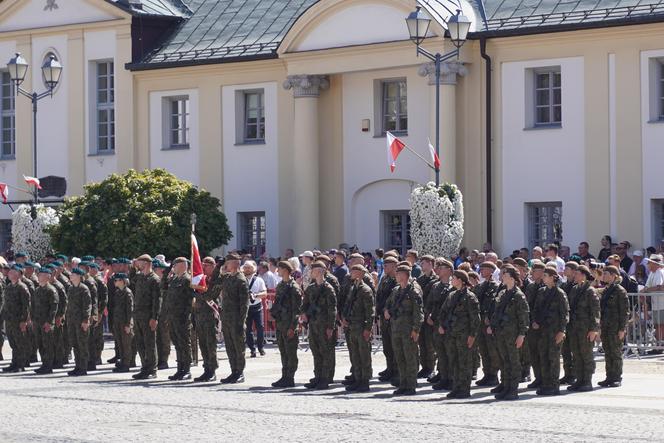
x=30 y=234
x=436 y=217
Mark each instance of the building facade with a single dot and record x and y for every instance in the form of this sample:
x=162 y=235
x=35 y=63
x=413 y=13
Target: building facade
x=551 y=119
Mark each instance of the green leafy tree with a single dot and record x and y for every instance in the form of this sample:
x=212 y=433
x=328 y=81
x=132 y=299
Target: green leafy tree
x=139 y=212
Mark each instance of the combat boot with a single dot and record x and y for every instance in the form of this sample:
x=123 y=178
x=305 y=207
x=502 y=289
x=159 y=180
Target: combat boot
x=442 y=385
x=511 y=394
x=462 y=394
x=178 y=374
x=352 y=387
x=536 y=384
x=498 y=389
x=451 y=394
x=614 y=383
x=434 y=379
x=206 y=376
x=483 y=381
x=121 y=369
x=424 y=373
x=603 y=383
x=322 y=385
x=312 y=383
x=9 y=368
x=399 y=391
x=363 y=386
x=289 y=382
x=574 y=387
x=386 y=375
x=112 y=360
x=349 y=382
x=585 y=387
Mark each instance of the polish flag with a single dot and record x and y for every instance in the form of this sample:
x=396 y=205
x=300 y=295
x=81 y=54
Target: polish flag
x=4 y=191
x=434 y=156
x=394 y=148
x=32 y=181
x=197 y=276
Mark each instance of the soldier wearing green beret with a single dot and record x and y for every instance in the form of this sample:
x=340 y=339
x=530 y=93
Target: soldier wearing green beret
x=44 y=312
x=17 y=314
x=387 y=283
x=123 y=321
x=486 y=293
x=60 y=356
x=532 y=286
x=565 y=351
x=234 y=310
x=176 y=310
x=97 y=330
x=163 y=329
x=439 y=293
x=614 y=307
x=79 y=312
x=147 y=312
x=427 y=354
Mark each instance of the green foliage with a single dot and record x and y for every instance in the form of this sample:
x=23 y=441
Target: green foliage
x=139 y=212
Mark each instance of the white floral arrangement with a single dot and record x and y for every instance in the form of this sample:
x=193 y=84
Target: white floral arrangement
x=436 y=219
x=30 y=230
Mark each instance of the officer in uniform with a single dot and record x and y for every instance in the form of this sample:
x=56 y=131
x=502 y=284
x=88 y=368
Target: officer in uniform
x=550 y=317
x=206 y=308
x=334 y=282
x=43 y=321
x=425 y=343
x=461 y=320
x=177 y=312
x=147 y=312
x=112 y=267
x=17 y=314
x=405 y=314
x=532 y=339
x=568 y=378
x=615 y=313
x=387 y=283
x=584 y=320
x=61 y=336
x=439 y=292
x=286 y=310
x=234 y=309
x=163 y=329
x=97 y=333
x=319 y=309
x=123 y=320
x=79 y=311
x=486 y=293
x=4 y=267
x=357 y=318
x=95 y=315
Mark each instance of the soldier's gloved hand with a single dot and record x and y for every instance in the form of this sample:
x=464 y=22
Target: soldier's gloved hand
x=519 y=341
x=366 y=335
x=415 y=336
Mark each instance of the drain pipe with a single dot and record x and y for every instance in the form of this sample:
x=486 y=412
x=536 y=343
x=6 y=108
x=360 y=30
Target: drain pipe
x=489 y=189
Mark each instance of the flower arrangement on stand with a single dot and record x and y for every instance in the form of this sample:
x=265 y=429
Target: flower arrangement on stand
x=436 y=217
x=30 y=225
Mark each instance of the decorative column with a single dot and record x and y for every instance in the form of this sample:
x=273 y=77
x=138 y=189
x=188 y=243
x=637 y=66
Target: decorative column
x=448 y=80
x=306 y=213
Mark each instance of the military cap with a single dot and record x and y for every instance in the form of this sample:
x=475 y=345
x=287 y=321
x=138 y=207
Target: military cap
x=537 y=264
x=145 y=257
x=576 y=258
x=17 y=268
x=356 y=256
x=429 y=258
x=404 y=268
x=612 y=270
x=584 y=270
x=340 y=252
x=462 y=275
x=21 y=254
x=124 y=261
x=62 y=257
x=159 y=264
x=78 y=271
x=233 y=256
x=391 y=253
x=318 y=264
x=57 y=264
x=84 y=263
x=285 y=265
x=111 y=261
x=520 y=262
x=45 y=270
x=325 y=258
x=29 y=264
x=551 y=271
x=179 y=260
x=209 y=261
x=474 y=275
x=572 y=265
x=88 y=258
x=390 y=259
x=489 y=265
x=93 y=265
x=120 y=276
x=359 y=267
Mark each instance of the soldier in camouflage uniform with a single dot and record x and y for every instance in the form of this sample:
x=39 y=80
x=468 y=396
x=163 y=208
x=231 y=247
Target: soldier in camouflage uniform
x=176 y=310
x=584 y=319
x=97 y=331
x=550 y=316
x=404 y=312
x=207 y=312
x=43 y=321
x=79 y=310
x=4 y=268
x=425 y=340
x=111 y=267
x=387 y=283
x=439 y=292
x=234 y=309
x=319 y=309
x=532 y=339
x=332 y=280
x=17 y=314
x=31 y=281
x=61 y=336
x=285 y=311
x=94 y=317
x=357 y=318
x=460 y=318
x=163 y=330
x=123 y=321
x=486 y=293
x=569 y=377
x=147 y=312
x=509 y=324
x=614 y=307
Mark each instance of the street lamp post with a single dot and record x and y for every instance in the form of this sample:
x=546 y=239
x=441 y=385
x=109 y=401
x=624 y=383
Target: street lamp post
x=51 y=69
x=418 y=27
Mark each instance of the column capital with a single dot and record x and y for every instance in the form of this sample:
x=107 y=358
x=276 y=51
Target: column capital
x=305 y=85
x=448 y=72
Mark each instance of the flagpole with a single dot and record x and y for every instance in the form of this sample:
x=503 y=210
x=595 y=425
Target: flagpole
x=18 y=189
x=422 y=158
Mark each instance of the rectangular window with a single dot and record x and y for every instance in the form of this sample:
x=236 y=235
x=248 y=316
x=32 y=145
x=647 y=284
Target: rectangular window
x=105 y=107
x=177 y=122
x=548 y=98
x=394 y=106
x=254 y=116
x=658 y=220
x=7 y=117
x=396 y=228
x=545 y=224
x=252 y=232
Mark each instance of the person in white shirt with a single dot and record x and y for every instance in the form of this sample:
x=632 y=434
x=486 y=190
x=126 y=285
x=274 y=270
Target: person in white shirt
x=258 y=291
x=493 y=258
x=552 y=256
x=268 y=275
x=655 y=283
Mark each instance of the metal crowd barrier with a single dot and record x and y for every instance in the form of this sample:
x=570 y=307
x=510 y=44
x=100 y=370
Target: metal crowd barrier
x=645 y=328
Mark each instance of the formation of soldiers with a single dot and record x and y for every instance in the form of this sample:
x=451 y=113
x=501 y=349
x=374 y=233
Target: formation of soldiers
x=435 y=322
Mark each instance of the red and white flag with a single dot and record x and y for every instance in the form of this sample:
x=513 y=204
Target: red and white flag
x=434 y=156
x=394 y=148
x=197 y=276
x=32 y=181
x=4 y=190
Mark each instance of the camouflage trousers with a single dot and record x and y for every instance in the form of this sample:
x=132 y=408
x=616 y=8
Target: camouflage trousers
x=582 y=354
x=549 y=358
x=206 y=330
x=405 y=353
x=533 y=348
x=79 y=340
x=61 y=340
x=489 y=352
x=32 y=340
x=19 y=343
x=461 y=363
x=510 y=358
x=163 y=341
x=566 y=352
x=524 y=355
x=180 y=331
x=322 y=350
x=146 y=343
x=360 y=355
x=123 y=341
x=388 y=348
x=46 y=345
x=288 y=353
x=2 y=335
x=427 y=355
x=613 y=356
x=96 y=342
x=442 y=364
x=234 y=340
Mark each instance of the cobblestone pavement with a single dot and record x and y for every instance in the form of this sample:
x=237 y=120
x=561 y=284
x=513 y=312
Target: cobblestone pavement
x=112 y=407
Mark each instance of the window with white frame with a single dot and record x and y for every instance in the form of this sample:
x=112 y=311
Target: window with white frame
x=548 y=97
x=105 y=107
x=394 y=106
x=252 y=232
x=658 y=220
x=254 y=116
x=7 y=117
x=396 y=231
x=545 y=225
x=176 y=122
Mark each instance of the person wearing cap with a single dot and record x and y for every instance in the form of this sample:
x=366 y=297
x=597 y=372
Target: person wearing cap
x=16 y=312
x=319 y=311
x=439 y=293
x=655 y=283
x=234 y=316
x=95 y=314
x=113 y=265
x=459 y=318
x=411 y=258
x=385 y=287
x=614 y=309
x=162 y=269
x=427 y=353
x=79 y=312
x=286 y=310
x=565 y=350
x=123 y=321
x=176 y=311
x=3 y=282
x=486 y=293
x=509 y=324
x=255 y=316
x=357 y=318
x=549 y=317
x=532 y=286
x=97 y=328
x=147 y=312
x=404 y=312
x=332 y=280
x=584 y=316
x=60 y=351
x=307 y=258
x=30 y=279
x=45 y=309
x=638 y=270
x=206 y=310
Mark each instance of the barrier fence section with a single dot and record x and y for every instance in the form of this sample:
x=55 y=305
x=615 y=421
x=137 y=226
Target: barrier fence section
x=645 y=327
